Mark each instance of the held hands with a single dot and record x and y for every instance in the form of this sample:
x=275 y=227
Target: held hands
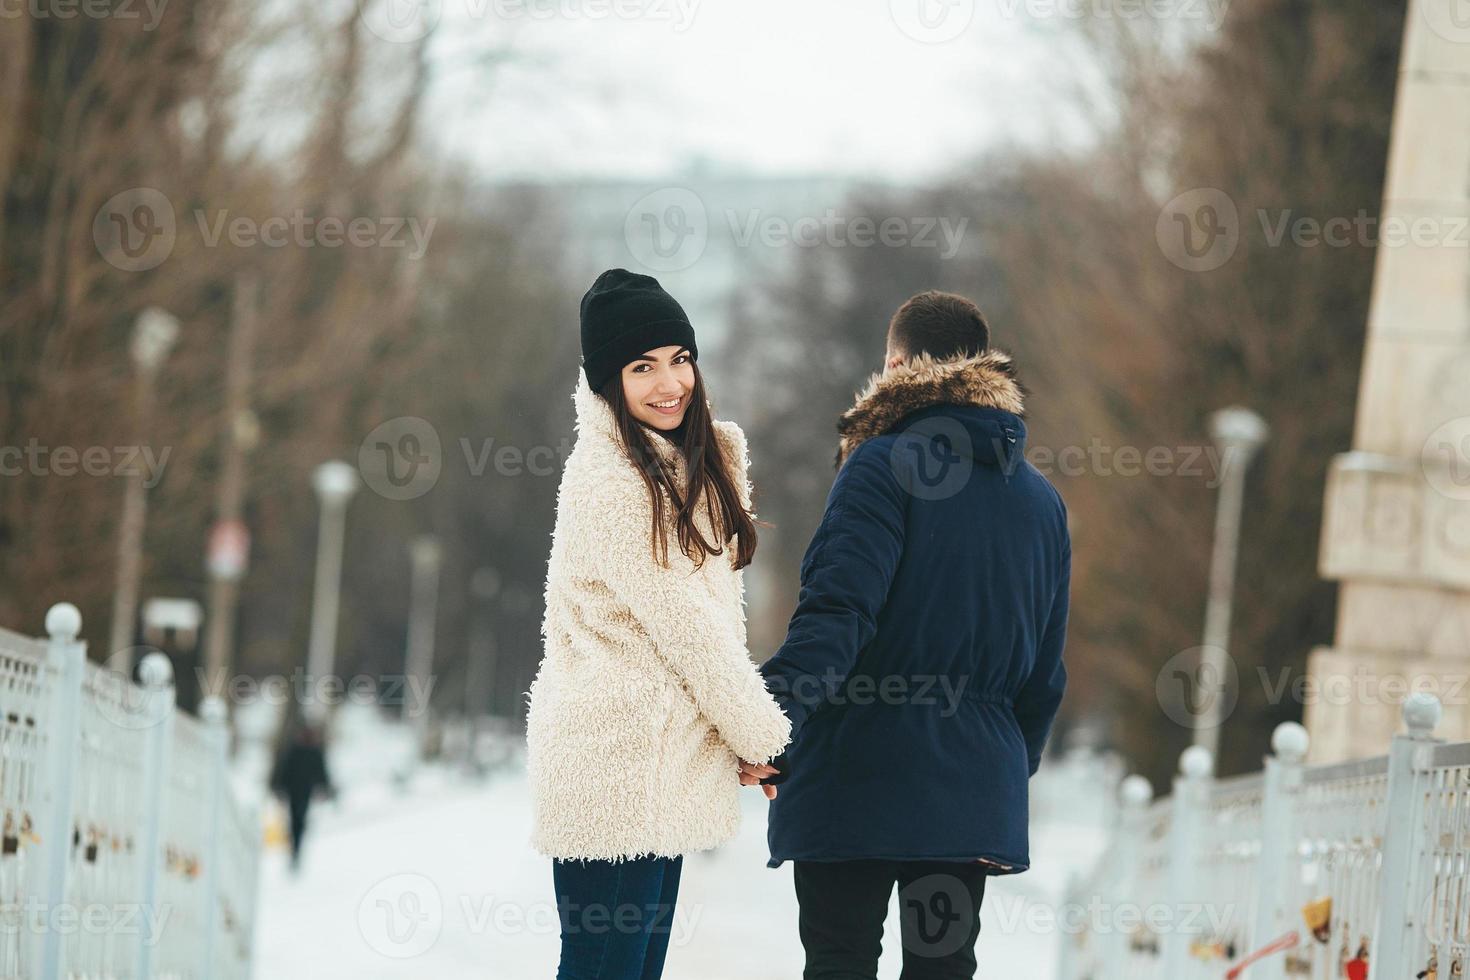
x=751 y=774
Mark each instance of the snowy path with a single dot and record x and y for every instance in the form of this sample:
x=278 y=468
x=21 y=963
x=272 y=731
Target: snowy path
x=439 y=882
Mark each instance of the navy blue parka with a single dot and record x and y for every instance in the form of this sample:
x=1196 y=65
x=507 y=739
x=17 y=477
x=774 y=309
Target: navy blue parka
x=922 y=668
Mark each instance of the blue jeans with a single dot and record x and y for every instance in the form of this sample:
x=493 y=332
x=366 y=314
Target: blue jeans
x=615 y=917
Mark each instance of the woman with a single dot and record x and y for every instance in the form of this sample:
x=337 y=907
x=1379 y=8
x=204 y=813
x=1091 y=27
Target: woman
x=646 y=703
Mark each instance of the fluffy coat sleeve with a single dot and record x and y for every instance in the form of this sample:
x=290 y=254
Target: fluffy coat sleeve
x=682 y=617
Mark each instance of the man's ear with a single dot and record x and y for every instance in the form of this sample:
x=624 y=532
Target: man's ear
x=894 y=360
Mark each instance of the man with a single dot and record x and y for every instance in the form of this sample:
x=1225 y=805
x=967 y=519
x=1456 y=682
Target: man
x=922 y=668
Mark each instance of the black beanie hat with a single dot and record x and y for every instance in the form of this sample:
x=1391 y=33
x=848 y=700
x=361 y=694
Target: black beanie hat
x=624 y=315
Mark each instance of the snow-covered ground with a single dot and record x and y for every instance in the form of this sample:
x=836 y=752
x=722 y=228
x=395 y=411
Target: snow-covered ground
x=433 y=878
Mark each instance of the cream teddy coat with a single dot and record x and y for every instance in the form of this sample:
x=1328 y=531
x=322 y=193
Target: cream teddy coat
x=646 y=695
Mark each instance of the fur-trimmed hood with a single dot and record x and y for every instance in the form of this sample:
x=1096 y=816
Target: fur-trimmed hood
x=986 y=380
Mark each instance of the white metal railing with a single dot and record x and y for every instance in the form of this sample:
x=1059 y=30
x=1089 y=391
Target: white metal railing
x=126 y=854
x=1359 y=869
x=1440 y=895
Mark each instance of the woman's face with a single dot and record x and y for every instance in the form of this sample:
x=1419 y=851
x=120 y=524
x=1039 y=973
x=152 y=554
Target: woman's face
x=657 y=386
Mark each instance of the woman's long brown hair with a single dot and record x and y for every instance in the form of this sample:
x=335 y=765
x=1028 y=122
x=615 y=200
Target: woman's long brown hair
x=710 y=479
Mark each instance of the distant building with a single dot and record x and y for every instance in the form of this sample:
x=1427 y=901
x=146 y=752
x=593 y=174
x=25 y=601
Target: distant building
x=703 y=236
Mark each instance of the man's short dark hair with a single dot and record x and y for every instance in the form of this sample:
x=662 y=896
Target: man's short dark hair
x=942 y=325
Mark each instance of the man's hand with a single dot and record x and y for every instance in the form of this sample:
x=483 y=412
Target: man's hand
x=751 y=774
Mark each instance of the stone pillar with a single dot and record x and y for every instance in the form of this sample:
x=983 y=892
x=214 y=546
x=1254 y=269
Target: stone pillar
x=1396 y=525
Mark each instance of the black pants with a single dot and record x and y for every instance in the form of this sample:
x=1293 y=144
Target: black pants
x=298 y=806
x=843 y=905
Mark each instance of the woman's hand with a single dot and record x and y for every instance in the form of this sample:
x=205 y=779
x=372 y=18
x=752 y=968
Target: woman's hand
x=751 y=774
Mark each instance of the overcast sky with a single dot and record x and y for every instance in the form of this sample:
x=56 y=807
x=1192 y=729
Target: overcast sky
x=896 y=89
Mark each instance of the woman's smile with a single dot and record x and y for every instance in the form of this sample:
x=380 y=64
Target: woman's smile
x=658 y=386
x=669 y=406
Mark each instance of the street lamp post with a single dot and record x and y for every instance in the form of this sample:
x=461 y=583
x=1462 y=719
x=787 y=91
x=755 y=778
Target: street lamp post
x=229 y=539
x=423 y=602
x=334 y=482
x=1238 y=432
x=480 y=667
x=154 y=336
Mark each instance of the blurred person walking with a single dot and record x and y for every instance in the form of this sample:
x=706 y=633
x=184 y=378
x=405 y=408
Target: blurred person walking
x=300 y=773
x=646 y=703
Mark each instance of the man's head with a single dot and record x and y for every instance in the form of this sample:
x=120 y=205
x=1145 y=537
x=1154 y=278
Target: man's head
x=942 y=325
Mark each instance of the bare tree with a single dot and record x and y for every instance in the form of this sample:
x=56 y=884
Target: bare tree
x=1286 y=110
